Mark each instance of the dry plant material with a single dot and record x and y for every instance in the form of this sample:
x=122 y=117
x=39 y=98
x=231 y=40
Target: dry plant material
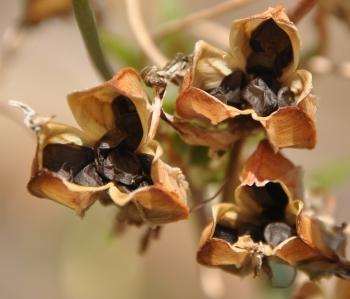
x=223 y=99
x=115 y=156
x=257 y=78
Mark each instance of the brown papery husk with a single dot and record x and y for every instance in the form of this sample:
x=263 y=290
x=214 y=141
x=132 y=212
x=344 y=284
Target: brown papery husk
x=48 y=184
x=291 y=126
x=92 y=108
x=236 y=258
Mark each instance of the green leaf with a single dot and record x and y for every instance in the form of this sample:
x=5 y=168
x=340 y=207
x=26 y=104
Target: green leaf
x=121 y=49
x=330 y=175
x=87 y=25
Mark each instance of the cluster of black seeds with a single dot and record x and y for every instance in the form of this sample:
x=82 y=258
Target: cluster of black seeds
x=259 y=88
x=113 y=158
x=271 y=227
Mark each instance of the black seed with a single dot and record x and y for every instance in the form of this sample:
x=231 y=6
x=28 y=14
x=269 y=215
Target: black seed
x=260 y=97
x=229 y=91
x=88 y=176
x=225 y=233
x=146 y=162
x=276 y=232
x=66 y=159
x=127 y=119
x=285 y=97
x=122 y=166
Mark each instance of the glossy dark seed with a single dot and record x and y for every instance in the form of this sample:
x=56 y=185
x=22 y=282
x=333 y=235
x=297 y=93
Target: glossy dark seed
x=229 y=91
x=285 y=97
x=127 y=119
x=225 y=233
x=66 y=159
x=277 y=232
x=88 y=176
x=260 y=97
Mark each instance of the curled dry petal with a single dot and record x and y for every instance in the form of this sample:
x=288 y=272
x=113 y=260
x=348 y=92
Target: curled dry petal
x=241 y=32
x=48 y=184
x=93 y=109
x=162 y=202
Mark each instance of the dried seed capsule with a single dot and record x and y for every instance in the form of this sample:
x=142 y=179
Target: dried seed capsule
x=261 y=98
x=225 y=233
x=276 y=232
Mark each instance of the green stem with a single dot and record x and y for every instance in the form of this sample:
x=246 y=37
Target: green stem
x=87 y=25
x=232 y=172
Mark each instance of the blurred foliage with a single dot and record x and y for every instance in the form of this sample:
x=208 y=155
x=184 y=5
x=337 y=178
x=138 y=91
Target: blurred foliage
x=330 y=175
x=123 y=51
x=176 y=41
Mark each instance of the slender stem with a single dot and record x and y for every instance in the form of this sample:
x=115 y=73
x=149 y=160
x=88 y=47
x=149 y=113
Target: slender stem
x=302 y=8
x=232 y=173
x=142 y=35
x=87 y=25
x=205 y=13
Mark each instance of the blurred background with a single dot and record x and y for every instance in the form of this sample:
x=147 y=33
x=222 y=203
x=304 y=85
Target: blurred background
x=46 y=251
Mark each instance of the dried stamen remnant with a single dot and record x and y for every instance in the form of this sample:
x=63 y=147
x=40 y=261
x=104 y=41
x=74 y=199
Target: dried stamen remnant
x=277 y=232
x=225 y=233
x=113 y=157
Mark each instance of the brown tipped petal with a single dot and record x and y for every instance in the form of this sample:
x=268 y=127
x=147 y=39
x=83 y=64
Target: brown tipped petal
x=159 y=206
x=92 y=108
x=329 y=240
x=217 y=252
x=217 y=140
x=160 y=203
x=292 y=126
x=265 y=165
x=47 y=184
x=294 y=250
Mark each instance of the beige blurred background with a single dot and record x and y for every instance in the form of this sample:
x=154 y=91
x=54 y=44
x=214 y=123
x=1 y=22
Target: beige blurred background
x=46 y=251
